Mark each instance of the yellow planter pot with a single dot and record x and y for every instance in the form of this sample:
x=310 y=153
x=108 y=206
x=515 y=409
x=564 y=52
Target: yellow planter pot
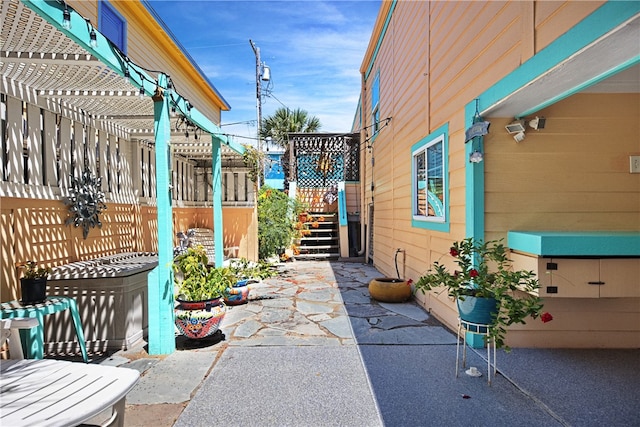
x=388 y=289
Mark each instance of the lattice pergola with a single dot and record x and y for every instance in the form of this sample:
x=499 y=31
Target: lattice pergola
x=324 y=159
x=41 y=62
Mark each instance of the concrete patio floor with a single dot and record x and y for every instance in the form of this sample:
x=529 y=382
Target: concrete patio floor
x=312 y=349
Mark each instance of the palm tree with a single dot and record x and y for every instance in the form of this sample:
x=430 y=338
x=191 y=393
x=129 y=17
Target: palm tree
x=284 y=121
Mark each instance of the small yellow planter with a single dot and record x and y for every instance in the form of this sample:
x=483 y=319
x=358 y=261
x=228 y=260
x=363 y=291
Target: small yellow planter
x=388 y=289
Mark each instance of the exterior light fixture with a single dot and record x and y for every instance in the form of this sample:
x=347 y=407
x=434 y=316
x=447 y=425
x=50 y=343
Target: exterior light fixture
x=517 y=126
x=173 y=111
x=93 y=41
x=519 y=137
x=127 y=75
x=537 y=123
x=476 y=157
x=141 y=93
x=66 y=18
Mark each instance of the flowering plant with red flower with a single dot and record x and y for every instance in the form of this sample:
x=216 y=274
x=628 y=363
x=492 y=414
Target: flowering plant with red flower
x=483 y=269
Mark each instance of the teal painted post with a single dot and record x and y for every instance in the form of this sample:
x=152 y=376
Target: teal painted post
x=474 y=188
x=161 y=322
x=216 y=179
x=474 y=201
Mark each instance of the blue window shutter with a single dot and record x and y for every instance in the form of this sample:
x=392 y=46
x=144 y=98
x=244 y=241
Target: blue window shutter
x=112 y=25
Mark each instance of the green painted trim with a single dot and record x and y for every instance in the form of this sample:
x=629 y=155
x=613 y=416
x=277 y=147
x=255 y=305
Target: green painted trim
x=161 y=299
x=216 y=181
x=576 y=243
x=444 y=226
x=474 y=182
x=380 y=39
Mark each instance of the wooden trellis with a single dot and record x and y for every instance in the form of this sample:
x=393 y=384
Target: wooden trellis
x=322 y=160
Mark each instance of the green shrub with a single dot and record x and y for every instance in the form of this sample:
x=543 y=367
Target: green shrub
x=275 y=221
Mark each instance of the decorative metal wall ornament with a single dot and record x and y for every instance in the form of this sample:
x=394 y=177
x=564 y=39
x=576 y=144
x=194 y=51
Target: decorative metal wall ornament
x=86 y=202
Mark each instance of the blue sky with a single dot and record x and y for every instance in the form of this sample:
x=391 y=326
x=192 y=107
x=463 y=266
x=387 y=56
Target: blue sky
x=314 y=49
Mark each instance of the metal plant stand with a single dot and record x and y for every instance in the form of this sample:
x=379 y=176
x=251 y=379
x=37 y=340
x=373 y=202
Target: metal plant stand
x=475 y=328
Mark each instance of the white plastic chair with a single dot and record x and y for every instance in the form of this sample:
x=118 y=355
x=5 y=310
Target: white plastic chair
x=10 y=331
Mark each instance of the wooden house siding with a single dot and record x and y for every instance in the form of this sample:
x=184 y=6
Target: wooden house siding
x=434 y=59
x=567 y=176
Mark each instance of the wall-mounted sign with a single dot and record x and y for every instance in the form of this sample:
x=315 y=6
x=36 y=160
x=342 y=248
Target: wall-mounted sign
x=477 y=129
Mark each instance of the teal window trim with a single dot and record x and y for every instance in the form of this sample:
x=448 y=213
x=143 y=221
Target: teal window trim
x=106 y=11
x=375 y=106
x=435 y=224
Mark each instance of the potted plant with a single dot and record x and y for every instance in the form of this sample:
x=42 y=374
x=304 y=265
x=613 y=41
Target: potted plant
x=484 y=277
x=200 y=290
x=33 y=283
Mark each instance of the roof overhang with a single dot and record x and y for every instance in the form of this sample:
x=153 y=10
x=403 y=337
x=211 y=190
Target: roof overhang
x=610 y=64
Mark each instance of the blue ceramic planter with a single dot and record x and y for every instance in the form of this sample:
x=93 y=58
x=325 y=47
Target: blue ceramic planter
x=478 y=310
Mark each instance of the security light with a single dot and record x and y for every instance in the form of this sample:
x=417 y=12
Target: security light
x=519 y=137
x=516 y=126
x=537 y=123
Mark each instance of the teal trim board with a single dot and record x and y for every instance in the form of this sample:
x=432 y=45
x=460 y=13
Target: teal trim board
x=380 y=39
x=161 y=324
x=216 y=182
x=474 y=182
x=445 y=225
x=576 y=243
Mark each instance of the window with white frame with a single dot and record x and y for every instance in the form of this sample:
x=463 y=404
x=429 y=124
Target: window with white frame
x=429 y=180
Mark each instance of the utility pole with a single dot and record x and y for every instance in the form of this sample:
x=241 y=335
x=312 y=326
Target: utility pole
x=256 y=51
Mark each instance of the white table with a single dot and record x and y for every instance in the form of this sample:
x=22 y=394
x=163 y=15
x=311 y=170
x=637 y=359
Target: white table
x=52 y=393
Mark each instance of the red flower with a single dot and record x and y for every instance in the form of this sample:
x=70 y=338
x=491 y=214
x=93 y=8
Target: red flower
x=409 y=282
x=454 y=252
x=546 y=317
x=474 y=273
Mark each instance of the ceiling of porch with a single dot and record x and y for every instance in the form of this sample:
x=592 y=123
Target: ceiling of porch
x=38 y=58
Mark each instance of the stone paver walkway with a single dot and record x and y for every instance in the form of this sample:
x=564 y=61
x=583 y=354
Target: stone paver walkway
x=311 y=304
x=311 y=348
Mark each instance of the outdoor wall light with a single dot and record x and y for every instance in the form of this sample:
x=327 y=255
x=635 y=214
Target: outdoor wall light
x=537 y=123
x=93 y=41
x=476 y=157
x=519 y=137
x=66 y=18
x=517 y=126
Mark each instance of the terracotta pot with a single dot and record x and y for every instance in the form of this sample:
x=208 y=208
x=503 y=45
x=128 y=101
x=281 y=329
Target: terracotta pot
x=388 y=289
